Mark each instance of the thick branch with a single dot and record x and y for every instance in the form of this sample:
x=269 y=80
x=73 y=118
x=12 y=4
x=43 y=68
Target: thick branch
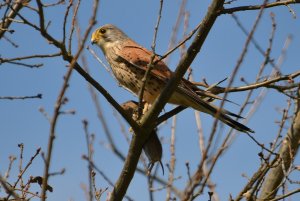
x=287 y=153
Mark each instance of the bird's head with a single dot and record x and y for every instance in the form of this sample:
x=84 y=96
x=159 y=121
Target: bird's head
x=107 y=35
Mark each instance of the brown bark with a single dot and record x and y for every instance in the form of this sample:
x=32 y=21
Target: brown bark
x=287 y=154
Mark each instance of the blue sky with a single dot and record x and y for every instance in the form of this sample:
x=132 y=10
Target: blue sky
x=21 y=121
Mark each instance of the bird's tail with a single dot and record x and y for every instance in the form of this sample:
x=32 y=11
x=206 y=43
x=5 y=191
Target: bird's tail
x=190 y=99
x=234 y=124
x=223 y=115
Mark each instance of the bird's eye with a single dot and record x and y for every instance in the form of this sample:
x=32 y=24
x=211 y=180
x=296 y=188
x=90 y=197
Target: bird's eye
x=102 y=31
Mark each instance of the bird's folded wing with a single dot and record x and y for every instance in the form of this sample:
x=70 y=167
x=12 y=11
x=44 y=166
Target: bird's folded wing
x=140 y=58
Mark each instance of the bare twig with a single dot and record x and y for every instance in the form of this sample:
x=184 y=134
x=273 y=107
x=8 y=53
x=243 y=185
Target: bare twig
x=64 y=87
x=67 y=57
x=54 y=4
x=104 y=176
x=26 y=65
x=150 y=65
x=39 y=96
x=74 y=22
x=270 y=83
x=169 y=114
x=11 y=42
x=18 y=5
x=89 y=157
x=257 y=7
x=11 y=160
x=276 y=143
x=99 y=60
x=253 y=41
x=199 y=173
x=100 y=114
x=3 y=60
x=229 y=139
x=65 y=20
x=176 y=27
x=181 y=43
x=172 y=160
x=281 y=197
x=23 y=171
x=8 y=188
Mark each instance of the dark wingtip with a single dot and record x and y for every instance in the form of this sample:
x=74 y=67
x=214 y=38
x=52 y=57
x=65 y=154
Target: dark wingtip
x=235 y=124
x=244 y=129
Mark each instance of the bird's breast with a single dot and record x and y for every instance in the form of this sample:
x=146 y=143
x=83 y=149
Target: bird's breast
x=131 y=78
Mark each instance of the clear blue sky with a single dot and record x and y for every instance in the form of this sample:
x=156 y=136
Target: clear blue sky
x=21 y=121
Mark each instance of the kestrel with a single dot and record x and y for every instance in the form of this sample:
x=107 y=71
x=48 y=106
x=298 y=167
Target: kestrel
x=129 y=62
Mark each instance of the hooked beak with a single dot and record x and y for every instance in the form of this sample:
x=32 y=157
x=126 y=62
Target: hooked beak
x=93 y=41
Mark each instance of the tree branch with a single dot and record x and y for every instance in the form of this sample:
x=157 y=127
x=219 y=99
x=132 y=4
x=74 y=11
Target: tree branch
x=287 y=153
x=19 y=4
x=62 y=92
x=257 y=7
x=39 y=96
x=266 y=83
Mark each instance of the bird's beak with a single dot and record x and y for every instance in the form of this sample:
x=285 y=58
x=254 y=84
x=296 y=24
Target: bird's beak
x=93 y=39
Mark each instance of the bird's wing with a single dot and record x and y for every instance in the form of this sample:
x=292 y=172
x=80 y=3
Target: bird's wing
x=140 y=58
